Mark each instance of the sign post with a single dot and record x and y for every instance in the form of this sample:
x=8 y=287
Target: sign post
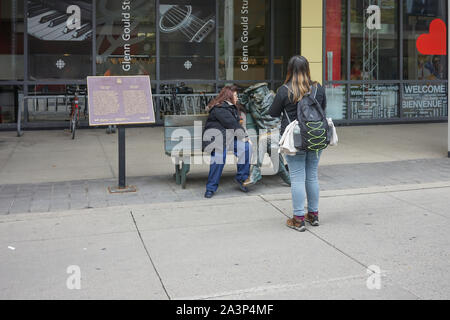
x=120 y=101
x=122 y=164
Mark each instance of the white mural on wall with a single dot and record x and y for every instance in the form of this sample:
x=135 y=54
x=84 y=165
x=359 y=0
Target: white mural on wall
x=180 y=18
x=54 y=20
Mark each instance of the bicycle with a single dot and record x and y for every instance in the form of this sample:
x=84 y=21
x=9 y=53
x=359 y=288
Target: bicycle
x=75 y=109
x=173 y=104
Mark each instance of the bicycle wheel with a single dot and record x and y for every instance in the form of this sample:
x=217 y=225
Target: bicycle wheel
x=70 y=122
x=73 y=127
x=75 y=118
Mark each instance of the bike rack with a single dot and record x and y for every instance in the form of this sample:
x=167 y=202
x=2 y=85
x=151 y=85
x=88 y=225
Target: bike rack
x=183 y=104
x=35 y=100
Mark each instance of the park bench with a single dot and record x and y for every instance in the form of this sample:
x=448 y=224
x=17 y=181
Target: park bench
x=173 y=146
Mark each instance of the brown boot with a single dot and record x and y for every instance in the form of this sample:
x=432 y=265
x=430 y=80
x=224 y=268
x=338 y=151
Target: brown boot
x=312 y=218
x=297 y=224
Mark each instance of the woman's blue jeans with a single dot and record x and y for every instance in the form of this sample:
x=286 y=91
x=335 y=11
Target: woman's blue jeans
x=303 y=170
x=242 y=151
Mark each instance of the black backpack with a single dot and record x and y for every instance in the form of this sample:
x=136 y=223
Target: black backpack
x=315 y=133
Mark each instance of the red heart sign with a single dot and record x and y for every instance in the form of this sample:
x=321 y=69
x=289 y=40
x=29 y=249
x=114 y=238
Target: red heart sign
x=435 y=42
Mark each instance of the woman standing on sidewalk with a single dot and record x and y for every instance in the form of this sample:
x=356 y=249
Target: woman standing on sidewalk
x=303 y=167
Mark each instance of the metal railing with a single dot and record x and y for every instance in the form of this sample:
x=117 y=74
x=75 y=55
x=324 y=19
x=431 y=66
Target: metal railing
x=49 y=107
x=163 y=104
x=36 y=110
x=182 y=104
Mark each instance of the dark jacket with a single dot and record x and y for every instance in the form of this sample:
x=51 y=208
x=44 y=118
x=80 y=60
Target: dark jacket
x=282 y=103
x=223 y=117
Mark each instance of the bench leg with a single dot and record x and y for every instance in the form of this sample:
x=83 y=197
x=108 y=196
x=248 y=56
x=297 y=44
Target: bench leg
x=177 y=174
x=184 y=171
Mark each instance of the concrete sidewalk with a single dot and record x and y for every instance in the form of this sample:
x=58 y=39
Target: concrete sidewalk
x=384 y=204
x=236 y=249
x=51 y=156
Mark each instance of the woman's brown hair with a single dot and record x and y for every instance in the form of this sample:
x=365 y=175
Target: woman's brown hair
x=299 y=75
x=226 y=94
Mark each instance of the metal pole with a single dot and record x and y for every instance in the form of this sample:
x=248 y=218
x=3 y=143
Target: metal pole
x=272 y=42
x=122 y=182
x=400 y=45
x=94 y=38
x=26 y=58
x=229 y=39
x=19 y=117
x=448 y=42
x=216 y=49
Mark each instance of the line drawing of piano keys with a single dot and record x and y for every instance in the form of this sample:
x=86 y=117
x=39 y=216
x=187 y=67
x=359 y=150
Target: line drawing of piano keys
x=47 y=24
x=83 y=30
x=34 y=6
x=34 y=24
x=36 y=12
x=51 y=33
x=50 y=17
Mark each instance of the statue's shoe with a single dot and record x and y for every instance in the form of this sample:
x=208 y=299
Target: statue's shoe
x=252 y=180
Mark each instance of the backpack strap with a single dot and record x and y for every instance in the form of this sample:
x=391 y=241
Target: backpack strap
x=317 y=104
x=285 y=112
x=314 y=89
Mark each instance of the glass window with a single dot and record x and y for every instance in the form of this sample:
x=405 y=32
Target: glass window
x=425 y=100
x=126 y=38
x=11 y=40
x=336 y=101
x=374 y=50
x=336 y=40
x=374 y=101
x=187 y=39
x=418 y=16
x=59 y=43
x=244 y=40
x=287 y=37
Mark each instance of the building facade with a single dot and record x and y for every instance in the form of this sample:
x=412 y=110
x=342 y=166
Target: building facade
x=363 y=51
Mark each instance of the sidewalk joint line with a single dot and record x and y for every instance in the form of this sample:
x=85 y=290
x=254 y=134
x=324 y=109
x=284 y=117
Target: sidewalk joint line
x=379 y=192
x=106 y=157
x=270 y=288
x=148 y=255
x=340 y=250
x=419 y=206
x=270 y=203
x=320 y=238
x=70 y=195
x=10 y=155
x=75 y=237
